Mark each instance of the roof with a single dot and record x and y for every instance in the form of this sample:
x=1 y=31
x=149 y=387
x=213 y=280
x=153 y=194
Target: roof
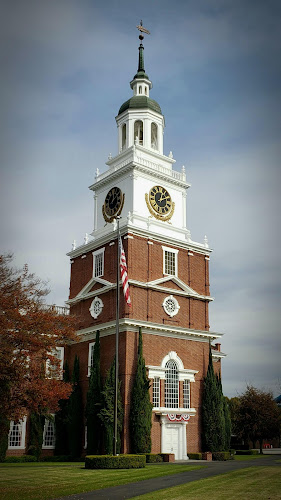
x=140 y=102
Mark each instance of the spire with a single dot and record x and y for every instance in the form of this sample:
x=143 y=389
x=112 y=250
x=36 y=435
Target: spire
x=141 y=71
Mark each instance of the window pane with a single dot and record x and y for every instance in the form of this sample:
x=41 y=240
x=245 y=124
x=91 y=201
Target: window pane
x=124 y=136
x=138 y=131
x=98 y=265
x=15 y=434
x=186 y=394
x=171 y=385
x=156 y=392
x=170 y=263
x=49 y=433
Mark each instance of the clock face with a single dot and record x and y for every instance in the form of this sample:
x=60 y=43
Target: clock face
x=160 y=200
x=113 y=204
x=159 y=203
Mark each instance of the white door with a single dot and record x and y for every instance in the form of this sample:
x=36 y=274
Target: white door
x=171 y=440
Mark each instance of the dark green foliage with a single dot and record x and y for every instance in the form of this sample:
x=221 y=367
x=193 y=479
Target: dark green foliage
x=258 y=416
x=213 y=422
x=35 y=435
x=20 y=460
x=75 y=426
x=4 y=431
x=62 y=420
x=114 y=462
x=227 y=421
x=195 y=456
x=222 y=456
x=141 y=407
x=247 y=452
x=107 y=412
x=153 y=458
x=94 y=402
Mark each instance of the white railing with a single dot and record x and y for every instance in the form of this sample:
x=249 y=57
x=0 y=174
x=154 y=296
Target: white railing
x=62 y=310
x=181 y=176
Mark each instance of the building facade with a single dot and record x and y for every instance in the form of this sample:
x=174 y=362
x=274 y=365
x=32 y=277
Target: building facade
x=168 y=278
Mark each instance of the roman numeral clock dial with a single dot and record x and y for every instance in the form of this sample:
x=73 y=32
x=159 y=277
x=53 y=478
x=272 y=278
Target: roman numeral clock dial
x=159 y=203
x=113 y=204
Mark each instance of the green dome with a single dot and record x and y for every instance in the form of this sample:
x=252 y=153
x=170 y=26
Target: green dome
x=140 y=102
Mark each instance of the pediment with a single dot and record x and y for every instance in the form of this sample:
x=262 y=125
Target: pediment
x=94 y=286
x=173 y=283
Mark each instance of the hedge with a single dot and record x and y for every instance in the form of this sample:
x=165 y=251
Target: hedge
x=61 y=458
x=115 y=462
x=247 y=452
x=195 y=456
x=222 y=455
x=20 y=459
x=153 y=458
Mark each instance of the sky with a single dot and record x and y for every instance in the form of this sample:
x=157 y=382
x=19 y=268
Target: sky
x=215 y=66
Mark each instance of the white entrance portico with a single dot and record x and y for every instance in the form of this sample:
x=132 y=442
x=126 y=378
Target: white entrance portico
x=173 y=437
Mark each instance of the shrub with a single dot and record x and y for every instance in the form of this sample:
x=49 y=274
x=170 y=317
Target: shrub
x=247 y=452
x=195 y=456
x=20 y=459
x=222 y=455
x=114 y=462
x=153 y=458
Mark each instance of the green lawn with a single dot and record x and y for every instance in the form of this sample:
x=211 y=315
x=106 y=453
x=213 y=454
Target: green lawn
x=42 y=481
x=242 y=458
x=254 y=483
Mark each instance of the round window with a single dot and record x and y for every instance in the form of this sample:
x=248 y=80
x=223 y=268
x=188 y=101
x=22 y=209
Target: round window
x=96 y=307
x=171 y=306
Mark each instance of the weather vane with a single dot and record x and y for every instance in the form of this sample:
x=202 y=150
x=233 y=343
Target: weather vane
x=142 y=30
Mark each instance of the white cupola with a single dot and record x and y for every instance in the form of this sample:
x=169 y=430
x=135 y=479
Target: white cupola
x=140 y=120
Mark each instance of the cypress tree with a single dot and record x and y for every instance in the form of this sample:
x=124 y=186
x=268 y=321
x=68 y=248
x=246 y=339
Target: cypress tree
x=62 y=420
x=75 y=427
x=213 y=435
x=107 y=412
x=93 y=406
x=141 y=407
x=227 y=418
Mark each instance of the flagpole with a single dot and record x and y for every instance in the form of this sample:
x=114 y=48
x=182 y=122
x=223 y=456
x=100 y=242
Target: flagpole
x=116 y=344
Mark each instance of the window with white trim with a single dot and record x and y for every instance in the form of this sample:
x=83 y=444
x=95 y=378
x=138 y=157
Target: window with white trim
x=171 y=384
x=16 y=438
x=124 y=136
x=156 y=392
x=98 y=263
x=91 y=357
x=52 y=369
x=186 y=394
x=49 y=434
x=170 y=261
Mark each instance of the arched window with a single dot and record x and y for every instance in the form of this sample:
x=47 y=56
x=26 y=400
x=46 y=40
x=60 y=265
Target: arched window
x=138 y=131
x=124 y=136
x=154 y=138
x=140 y=89
x=171 y=384
x=145 y=90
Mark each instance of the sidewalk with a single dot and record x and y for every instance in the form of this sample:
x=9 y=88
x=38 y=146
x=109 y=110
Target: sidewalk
x=141 y=487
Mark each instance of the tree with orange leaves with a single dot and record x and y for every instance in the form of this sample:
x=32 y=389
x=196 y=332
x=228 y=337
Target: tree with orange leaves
x=30 y=332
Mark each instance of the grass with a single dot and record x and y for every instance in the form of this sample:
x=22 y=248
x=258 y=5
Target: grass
x=254 y=483
x=42 y=481
x=242 y=458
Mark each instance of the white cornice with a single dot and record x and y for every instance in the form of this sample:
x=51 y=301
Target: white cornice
x=217 y=355
x=133 y=325
x=101 y=238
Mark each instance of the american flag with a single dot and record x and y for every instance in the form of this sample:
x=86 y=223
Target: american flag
x=124 y=275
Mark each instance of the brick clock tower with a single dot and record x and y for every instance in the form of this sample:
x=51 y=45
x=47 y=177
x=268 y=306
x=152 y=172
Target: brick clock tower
x=168 y=278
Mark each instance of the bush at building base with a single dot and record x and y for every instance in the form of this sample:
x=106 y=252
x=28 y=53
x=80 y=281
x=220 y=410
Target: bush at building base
x=222 y=456
x=247 y=452
x=115 y=462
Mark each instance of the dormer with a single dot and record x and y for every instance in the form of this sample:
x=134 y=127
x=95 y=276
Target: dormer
x=140 y=120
